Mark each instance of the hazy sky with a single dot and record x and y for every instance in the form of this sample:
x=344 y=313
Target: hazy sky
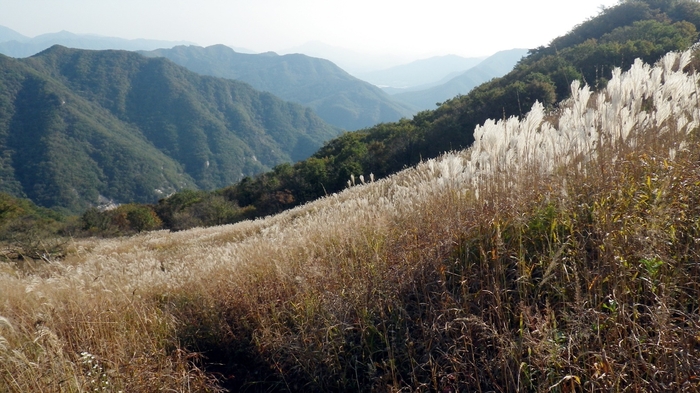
x=400 y=27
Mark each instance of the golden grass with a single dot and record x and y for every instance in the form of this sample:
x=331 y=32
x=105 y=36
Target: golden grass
x=582 y=275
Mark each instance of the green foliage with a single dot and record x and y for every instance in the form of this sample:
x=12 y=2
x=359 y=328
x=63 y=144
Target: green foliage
x=141 y=218
x=95 y=222
x=189 y=208
x=123 y=220
x=30 y=232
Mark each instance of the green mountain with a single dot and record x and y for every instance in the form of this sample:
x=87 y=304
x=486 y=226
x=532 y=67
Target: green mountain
x=337 y=97
x=494 y=66
x=79 y=126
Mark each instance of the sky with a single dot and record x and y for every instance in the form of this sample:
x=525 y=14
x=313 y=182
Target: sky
x=400 y=28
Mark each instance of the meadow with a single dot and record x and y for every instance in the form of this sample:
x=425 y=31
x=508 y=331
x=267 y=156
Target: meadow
x=558 y=253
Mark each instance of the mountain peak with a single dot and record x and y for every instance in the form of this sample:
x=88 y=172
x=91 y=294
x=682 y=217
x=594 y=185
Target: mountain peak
x=7 y=34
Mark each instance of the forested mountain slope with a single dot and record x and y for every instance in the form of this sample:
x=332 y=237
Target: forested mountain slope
x=78 y=124
x=634 y=29
x=337 y=97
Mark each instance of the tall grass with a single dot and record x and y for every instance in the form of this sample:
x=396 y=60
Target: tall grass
x=559 y=253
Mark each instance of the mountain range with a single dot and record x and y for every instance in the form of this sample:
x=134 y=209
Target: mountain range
x=14 y=44
x=78 y=126
x=424 y=72
x=558 y=253
x=7 y=34
x=336 y=96
x=497 y=65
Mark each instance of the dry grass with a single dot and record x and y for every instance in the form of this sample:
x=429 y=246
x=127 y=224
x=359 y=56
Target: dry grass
x=507 y=267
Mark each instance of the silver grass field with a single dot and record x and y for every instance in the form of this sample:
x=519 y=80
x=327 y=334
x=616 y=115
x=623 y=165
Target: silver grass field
x=465 y=273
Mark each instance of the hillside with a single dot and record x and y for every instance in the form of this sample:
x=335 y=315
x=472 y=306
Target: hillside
x=337 y=97
x=494 y=66
x=13 y=44
x=76 y=125
x=559 y=253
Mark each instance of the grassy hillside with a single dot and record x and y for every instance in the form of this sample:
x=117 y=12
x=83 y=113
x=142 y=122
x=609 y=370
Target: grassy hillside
x=79 y=124
x=337 y=97
x=559 y=253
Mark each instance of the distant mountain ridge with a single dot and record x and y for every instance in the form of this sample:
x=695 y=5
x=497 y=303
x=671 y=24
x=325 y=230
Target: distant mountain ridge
x=14 y=44
x=78 y=125
x=7 y=34
x=494 y=66
x=350 y=60
x=420 y=72
x=336 y=96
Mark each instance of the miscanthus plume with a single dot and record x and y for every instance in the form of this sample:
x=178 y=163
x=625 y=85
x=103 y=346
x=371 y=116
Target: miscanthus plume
x=644 y=106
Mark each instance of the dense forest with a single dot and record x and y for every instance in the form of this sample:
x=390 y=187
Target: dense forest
x=588 y=53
